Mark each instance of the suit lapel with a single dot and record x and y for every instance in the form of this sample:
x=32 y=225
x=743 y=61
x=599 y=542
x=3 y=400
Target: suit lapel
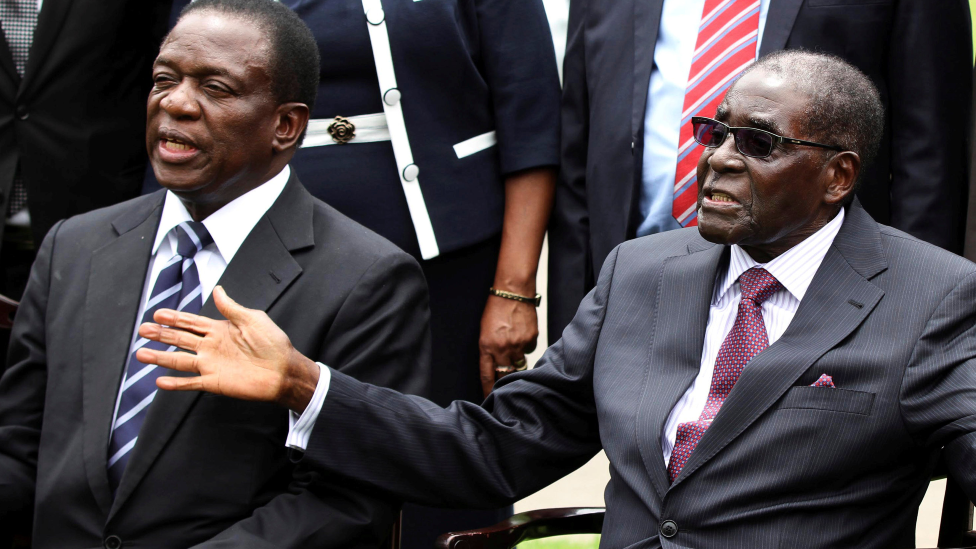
x=260 y=271
x=779 y=25
x=115 y=287
x=49 y=22
x=647 y=23
x=840 y=297
x=7 y=61
x=685 y=294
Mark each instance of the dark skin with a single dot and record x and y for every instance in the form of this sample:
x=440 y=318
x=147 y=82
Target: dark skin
x=772 y=204
x=215 y=129
x=777 y=201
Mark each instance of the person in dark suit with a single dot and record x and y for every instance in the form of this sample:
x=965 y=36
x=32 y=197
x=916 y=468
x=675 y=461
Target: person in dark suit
x=85 y=439
x=625 y=76
x=477 y=117
x=780 y=376
x=72 y=116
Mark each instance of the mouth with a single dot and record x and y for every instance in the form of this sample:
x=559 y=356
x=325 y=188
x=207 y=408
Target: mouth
x=175 y=148
x=717 y=198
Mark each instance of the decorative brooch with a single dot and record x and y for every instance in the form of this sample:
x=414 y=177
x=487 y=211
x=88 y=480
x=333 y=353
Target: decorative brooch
x=342 y=130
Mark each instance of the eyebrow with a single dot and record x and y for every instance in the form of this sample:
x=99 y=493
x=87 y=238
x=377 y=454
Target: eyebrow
x=764 y=124
x=204 y=71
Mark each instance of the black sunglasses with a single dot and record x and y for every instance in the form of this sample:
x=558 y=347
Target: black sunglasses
x=751 y=142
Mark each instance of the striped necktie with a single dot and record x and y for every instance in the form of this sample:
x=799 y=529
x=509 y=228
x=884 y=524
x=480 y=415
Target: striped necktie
x=726 y=45
x=177 y=287
x=746 y=339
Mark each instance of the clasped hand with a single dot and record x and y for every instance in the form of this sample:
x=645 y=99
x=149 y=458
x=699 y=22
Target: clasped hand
x=245 y=357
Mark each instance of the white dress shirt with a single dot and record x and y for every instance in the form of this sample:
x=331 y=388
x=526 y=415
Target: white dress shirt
x=794 y=269
x=229 y=226
x=673 y=52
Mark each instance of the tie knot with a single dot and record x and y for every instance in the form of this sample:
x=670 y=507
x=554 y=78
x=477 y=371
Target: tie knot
x=191 y=237
x=757 y=284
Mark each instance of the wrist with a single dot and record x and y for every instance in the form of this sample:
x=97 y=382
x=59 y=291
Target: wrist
x=522 y=285
x=300 y=379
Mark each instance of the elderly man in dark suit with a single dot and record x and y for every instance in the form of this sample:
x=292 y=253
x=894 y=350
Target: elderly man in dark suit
x=86 y=441
x=782 y=376
x=635 y=70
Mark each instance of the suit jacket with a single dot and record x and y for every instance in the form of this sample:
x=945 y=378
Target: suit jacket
x=76 y=121
x=918 y=53
x=783 y=465
x=205 y=467
x=464 y=68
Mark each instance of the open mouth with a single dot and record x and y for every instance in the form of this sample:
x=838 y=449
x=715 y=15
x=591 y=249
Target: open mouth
x=721 y=198
x=176 y=145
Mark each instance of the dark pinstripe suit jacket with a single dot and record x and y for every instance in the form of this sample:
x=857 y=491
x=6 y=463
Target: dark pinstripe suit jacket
x=787 y=465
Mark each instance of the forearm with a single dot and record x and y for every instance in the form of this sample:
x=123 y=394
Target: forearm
x=528 y=203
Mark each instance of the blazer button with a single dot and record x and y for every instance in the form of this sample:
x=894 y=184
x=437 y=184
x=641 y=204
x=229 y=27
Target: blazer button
x=669 y=528
x=113 y=542
x=22 y=112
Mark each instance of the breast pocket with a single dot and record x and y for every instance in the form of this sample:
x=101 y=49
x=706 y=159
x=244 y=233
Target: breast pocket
x=824 y=398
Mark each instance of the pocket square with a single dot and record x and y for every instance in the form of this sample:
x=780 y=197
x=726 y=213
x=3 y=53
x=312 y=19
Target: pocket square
x=824 y=381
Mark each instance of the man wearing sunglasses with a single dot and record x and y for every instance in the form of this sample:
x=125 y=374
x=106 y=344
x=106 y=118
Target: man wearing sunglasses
x=782 y=376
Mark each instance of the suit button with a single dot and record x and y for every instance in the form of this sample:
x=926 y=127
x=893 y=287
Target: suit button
x=22 y=112
x=669 y=528
x=113 y=542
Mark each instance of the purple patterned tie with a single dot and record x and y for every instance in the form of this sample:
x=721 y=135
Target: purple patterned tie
x=746 y=340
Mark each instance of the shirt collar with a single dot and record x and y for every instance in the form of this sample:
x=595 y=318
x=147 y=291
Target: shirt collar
x=230 y=225
x=794 y=268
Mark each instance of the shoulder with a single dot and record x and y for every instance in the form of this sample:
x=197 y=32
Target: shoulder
x=91 y=230
x=657 y=248
x=910 y=257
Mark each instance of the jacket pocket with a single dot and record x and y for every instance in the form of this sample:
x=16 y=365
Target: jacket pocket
x=824 y=398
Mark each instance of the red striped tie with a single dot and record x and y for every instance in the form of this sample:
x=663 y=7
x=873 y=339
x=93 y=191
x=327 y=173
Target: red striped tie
x=726 y=45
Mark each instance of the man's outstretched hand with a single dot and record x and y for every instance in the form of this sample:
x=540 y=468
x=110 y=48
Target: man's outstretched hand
x=246 y=356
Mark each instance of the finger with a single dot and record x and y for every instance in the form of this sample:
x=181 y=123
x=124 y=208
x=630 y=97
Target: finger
x=186 y=321
x=231 y=310
x=530 y=346
x=170 y=336
x=197 y=383
x=486 y=365
x=183 y=362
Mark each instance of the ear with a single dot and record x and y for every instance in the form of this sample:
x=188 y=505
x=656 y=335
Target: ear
x=292 y=119
x=841 y=173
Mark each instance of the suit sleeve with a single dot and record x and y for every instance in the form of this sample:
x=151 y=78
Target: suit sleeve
x=938 y=393
x=930 y=81
x=380 y=335
x=535 y=427
x=519 y=65
x=570 y=275
x=23 y=387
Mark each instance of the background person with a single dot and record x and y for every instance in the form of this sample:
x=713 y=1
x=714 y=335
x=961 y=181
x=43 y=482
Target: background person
x=85 y=440
x=624 y=123
x=468 y=73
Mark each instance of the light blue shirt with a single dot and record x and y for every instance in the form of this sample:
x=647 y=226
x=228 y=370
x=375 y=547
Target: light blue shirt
x=675 y=46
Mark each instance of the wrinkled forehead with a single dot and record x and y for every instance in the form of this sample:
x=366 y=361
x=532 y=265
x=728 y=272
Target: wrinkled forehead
x=765 y=100
x=224 y=40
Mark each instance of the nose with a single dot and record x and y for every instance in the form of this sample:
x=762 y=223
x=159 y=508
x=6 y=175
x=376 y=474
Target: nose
x=181 y=102
x=726 y=157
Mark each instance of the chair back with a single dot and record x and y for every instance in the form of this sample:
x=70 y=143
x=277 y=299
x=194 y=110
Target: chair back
x=8 y=308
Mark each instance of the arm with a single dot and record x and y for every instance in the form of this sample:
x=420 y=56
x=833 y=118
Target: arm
x=570 y=275
x=509 y=328
x=380 y=335
x=23 y=387
x=519 y=66
x=938 y=394
x=534 y=428
x=930 y=81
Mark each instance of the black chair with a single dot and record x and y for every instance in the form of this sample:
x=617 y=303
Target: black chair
x=8 y=308
x=955 y=529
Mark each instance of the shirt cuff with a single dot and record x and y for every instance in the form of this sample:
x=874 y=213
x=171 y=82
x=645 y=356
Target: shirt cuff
x=300 y=427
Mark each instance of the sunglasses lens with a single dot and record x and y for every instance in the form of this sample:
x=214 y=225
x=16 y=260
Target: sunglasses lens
x=754 y=143
x=709 y=133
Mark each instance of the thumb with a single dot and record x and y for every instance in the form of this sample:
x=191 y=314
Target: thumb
x=231 y=310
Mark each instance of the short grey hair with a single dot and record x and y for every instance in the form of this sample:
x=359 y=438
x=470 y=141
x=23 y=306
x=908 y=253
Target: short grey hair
x=845 y=108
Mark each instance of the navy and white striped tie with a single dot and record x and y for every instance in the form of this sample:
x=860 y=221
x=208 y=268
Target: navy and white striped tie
x=177 y=287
